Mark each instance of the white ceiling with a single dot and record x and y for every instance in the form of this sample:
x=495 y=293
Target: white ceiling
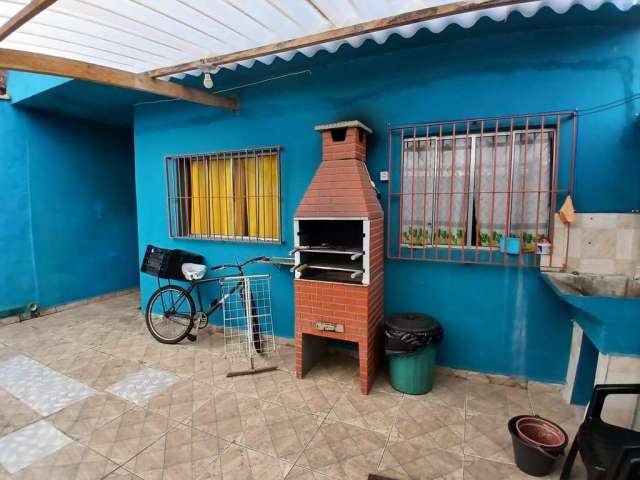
x=140 y=35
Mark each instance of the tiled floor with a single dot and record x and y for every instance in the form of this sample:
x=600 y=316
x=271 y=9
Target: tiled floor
x=88 y=394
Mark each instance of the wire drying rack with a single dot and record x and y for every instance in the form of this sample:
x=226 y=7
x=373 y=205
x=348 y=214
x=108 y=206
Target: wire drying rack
x=248 y=322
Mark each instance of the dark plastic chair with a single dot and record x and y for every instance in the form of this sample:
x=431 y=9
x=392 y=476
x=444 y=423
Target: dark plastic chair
x=607 y=451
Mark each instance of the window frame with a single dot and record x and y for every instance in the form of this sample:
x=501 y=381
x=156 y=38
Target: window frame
x=177 y=211
x=470 y=188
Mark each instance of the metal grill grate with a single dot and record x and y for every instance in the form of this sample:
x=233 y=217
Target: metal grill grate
x=479 y=190
x=232 y=195
x=248 y=324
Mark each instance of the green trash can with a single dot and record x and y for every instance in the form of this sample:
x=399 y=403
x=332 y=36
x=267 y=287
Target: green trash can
x=410 y=341
x=412 y=373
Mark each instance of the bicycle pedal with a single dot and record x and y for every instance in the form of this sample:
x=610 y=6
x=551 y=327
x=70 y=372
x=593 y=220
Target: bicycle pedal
x=191 y=338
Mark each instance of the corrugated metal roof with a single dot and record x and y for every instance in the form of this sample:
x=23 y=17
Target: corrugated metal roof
x=140 y=35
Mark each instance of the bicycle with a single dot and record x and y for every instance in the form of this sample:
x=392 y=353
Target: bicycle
x=171 y=312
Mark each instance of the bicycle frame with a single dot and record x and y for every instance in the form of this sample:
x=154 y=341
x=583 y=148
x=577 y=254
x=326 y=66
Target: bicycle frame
x=195 y=285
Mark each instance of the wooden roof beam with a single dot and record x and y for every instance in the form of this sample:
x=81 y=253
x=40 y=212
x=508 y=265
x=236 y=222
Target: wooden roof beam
x=30 y=10
x=402 y=19
x=62 y=67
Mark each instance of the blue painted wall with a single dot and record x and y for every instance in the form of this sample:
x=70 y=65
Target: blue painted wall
x=17 y=276
x=496 y=320
x=27 y=85
x=68 y=223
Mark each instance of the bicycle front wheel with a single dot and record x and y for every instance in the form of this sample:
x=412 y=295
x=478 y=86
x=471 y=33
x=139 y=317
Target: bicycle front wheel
x=170 y=313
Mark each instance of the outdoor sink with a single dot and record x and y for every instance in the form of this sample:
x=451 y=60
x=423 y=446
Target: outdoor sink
x=607 y=308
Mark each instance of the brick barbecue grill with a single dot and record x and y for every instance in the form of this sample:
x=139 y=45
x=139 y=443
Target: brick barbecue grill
x=338 y=232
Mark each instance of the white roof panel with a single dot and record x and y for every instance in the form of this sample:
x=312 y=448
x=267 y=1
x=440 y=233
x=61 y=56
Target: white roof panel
x=140 y=35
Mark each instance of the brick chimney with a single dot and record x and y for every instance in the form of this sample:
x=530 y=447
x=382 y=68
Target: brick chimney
x=341 y=186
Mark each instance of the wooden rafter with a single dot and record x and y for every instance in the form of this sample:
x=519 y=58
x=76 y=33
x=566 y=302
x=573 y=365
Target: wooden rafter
x=402 y=19
x=50 y=65
x=30 y=10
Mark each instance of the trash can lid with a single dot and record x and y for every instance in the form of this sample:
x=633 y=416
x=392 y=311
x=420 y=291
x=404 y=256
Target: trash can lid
x=412 y=322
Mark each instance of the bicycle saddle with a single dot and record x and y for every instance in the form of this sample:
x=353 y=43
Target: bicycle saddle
x=193 y=271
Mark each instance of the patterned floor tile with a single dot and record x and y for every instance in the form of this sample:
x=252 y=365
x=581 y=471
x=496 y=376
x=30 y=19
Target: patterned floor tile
x=211 y=341
x=548 y=403
x=184 y=453
x=180 y=401
x=123 y=438
x=289 y=431
x=122 y=474
x=142 y=348
x=265 y=385
x=448 y=391
x=298 y=473
x=489 y=399
x=400 y=461
x=6 y=352
x=102 y=372
x=487 y=436
x=16 y=333
x=141 y=386
x=14 y=414
x=60 y=355
x=238 y=463
x=429 y=426
x=4 y=475
x=226 y=414
x=73 y=462
x=82 y=418
x=336 y=366
x=343 y=451
x=480 y=469
x=41 y=388
x=310 y=396
x=30 y=444
x=375 y=411
x=212 y=369
x=266 y=427
x=284 y=358
x=182 y=362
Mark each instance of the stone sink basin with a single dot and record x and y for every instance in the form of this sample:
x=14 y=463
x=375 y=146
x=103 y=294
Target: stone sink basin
x=607 y=308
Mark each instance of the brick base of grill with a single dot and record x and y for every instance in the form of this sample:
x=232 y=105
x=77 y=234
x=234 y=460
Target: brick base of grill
x=358 y=308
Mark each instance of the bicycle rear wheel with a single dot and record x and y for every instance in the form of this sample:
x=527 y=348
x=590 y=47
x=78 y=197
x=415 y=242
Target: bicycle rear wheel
x=170 y=313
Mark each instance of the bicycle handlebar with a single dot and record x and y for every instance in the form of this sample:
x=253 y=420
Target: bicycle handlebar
x=240 y=265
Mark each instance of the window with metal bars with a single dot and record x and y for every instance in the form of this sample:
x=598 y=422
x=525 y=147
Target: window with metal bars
x=233 y=195
x=3 y=82
x=477 y=190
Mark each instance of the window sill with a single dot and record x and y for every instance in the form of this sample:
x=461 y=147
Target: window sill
x=225 y=239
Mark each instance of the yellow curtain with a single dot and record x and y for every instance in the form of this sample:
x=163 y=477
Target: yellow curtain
x=262 y=197
x=236 y=197
x=199 y=209
x=239 y=194
x=215 y=216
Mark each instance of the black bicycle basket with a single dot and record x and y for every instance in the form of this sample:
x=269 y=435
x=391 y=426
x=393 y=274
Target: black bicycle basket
x=167 y=263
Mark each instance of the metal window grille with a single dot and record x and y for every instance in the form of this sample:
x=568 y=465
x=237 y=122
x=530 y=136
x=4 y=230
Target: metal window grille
x=3 y=82
x=232 y=195
x=479 y=190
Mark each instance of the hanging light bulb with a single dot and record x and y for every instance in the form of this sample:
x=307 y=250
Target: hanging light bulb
x=207 y=81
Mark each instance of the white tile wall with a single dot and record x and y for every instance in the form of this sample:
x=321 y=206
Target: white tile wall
x=602 y=243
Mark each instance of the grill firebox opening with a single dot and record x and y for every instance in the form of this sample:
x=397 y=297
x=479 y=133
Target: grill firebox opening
x=332 y=250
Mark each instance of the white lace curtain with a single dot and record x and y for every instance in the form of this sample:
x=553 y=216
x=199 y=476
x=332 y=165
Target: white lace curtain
x=510 y=195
